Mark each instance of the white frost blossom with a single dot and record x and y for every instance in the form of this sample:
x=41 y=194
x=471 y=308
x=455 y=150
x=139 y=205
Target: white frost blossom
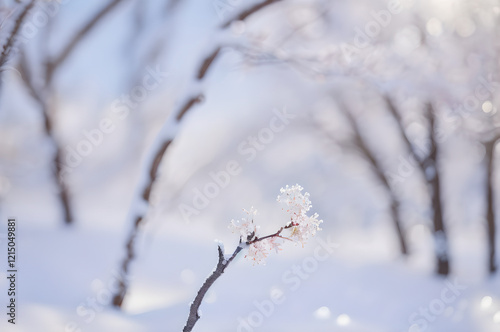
x=245 y=226
x=300 y=228
x=297 y=205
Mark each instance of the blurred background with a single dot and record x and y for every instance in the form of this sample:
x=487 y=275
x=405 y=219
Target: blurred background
x=133 y=132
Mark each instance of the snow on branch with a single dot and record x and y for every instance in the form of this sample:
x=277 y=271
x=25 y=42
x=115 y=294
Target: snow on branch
x=41 y=93
x=189 y=99
x=300 y=227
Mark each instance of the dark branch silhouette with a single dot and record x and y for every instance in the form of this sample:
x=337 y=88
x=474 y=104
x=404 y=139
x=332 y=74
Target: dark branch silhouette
x=377 y=168
x=11 y=40
x=428 y=165
x=42 y=96
x=57 y=61
x=222 y=264
x=490 y=203
x=433 y=177
x=250 y=11
x=9 y=45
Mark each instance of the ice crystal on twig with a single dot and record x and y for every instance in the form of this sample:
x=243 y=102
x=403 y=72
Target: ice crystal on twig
x=300 y=227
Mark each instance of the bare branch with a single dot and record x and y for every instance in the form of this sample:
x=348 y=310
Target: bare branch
x=26 y=74
x=57 y=163
x=430 y=172
x=7 y=48
x=304 y=25
x=79 y=36
x=360 y=143
x=377 y=168
x=243 y=15
x=153 y=172
x=406 y=139
x=490 y=204
x=219 y=270
x=433 y=178
x=41 y=98
x=207 y=63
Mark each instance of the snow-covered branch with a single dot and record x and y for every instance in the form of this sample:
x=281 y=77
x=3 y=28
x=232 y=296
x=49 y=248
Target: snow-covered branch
x=42 y=96
x=193 y=96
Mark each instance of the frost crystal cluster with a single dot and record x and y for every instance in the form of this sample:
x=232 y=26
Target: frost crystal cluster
x=297 y=205
x=300 y=227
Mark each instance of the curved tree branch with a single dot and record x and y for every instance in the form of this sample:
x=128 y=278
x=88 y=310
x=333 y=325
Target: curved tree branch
x=250 y=11
x=429 y=168
x=222 y=264
x=377 y=168
x=11 y=40
x=55 y=63
x=159 y=149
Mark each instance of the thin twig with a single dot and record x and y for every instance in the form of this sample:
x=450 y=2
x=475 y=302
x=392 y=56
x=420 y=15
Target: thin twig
x=304 y=25
x=27 y=76
x=7 y=48
x=250 y=11
x=222 y=264
x=406 y=139
x=42 y=98
x=79 y=36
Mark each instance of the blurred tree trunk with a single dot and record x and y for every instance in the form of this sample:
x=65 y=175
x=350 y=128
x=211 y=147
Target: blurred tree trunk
x=377 y=168
x=48 y=126
x=57 y=164
x=42 y=94
x=432 y=175
x=490 y=210
x=9 y=46
x=430 y=171
x=398 y=224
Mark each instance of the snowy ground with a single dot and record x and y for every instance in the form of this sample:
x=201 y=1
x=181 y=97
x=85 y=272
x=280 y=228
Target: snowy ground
x=66 y=275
